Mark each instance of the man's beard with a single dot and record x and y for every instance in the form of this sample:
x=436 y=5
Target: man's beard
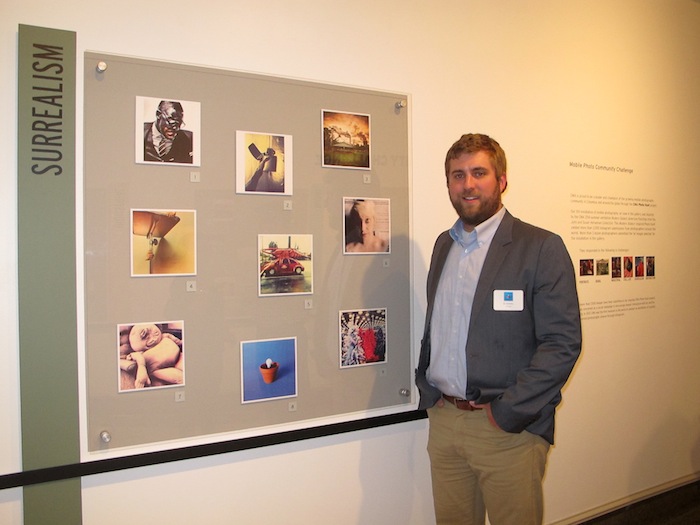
x=473 y=215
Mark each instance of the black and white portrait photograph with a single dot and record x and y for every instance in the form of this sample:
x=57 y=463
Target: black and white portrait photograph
x=367 y=225
x=151 y=355
x=167 y=131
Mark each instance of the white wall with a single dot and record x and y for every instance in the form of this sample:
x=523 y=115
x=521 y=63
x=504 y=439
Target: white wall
x=553 y=81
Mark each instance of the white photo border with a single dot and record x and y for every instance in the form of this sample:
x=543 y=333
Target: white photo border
x=354 y=126
x=179 y=325
x=145 y=112
x=285 y=271
x=354 y=242
x=152 y=247
x=351 y=324
x=252 y=154
x=251 y=366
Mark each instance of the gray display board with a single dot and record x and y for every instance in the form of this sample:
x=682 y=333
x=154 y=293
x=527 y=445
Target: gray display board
x=187 y=246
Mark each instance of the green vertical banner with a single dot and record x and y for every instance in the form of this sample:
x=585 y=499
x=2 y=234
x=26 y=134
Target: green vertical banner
x=46 y=115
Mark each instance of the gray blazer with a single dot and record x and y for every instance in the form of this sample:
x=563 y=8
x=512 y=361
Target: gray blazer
x=516 y=360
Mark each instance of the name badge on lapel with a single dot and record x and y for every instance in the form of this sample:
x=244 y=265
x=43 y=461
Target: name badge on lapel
x=508 y=300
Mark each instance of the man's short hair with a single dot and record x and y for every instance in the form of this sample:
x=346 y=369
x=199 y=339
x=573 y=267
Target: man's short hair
x=472 y=143
x=170 y=104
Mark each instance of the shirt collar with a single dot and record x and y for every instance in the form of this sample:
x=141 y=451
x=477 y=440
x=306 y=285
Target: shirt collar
x=157 y=135
x=484 y=232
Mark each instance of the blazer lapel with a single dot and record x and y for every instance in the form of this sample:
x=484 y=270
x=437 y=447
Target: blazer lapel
x=500 y=246
x=438 y=262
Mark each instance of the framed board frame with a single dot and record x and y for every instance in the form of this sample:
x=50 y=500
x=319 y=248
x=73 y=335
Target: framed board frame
x=219 y=302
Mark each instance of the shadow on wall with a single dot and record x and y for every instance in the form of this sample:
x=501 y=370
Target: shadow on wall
x=411 y=485
x=649 y=462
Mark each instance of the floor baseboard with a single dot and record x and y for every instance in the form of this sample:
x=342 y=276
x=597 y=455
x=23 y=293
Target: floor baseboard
x=679 y=489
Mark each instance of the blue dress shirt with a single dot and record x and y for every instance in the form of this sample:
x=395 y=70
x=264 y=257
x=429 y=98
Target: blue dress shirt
x=449 y=327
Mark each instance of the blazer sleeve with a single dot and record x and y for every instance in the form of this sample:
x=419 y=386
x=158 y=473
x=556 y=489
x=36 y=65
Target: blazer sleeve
x=529 y=403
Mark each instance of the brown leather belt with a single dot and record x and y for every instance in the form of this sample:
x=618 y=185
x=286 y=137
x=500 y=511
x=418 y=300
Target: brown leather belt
x=462 y=404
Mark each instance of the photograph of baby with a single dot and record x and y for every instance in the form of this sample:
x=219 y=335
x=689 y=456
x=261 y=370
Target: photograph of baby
x=362 y=337
x=268 y=369
x=163 y=242
x=264 y=163
x=167 y=131
x=151 y=355
x=367 y=226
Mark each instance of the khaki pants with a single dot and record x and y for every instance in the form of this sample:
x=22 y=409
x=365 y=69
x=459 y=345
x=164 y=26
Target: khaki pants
x=477 y=468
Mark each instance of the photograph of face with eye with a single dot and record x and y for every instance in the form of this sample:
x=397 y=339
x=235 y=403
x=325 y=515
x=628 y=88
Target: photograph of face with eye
x=367 y=226
x=167 y=131
x=151 y=355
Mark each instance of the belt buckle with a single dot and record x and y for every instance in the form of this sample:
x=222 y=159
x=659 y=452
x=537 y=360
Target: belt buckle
x=463 y=404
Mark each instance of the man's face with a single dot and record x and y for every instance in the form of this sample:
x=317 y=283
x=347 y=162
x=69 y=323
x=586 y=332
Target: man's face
x=168 y=121
x=474 y=190
x=367 y=219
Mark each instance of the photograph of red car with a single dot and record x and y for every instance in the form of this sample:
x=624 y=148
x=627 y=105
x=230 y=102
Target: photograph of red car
x=281 y=269
x=283 y=265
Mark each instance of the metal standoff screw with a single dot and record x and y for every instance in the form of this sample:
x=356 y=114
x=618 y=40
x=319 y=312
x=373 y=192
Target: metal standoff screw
x=101 y=66
x=400 y=104
x=105 y=436
x=405 y=392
